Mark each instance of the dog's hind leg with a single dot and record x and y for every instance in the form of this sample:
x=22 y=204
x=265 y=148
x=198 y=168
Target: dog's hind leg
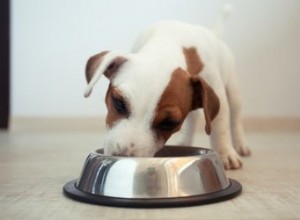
x=237 y=131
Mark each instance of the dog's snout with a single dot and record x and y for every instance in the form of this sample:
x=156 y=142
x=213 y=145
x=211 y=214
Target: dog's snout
x=124 y=141
x=125 y=151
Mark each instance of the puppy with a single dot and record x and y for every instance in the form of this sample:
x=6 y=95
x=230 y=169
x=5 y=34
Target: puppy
x=174 y=69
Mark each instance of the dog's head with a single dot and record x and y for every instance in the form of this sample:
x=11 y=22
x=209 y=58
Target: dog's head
x=145 y=105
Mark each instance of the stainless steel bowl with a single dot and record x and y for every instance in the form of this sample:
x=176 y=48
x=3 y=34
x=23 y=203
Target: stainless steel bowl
x=175 y=176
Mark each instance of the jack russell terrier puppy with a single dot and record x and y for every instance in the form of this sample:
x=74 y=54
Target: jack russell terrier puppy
x=174 y=69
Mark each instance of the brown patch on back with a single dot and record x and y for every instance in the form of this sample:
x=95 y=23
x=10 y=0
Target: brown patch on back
x=175 y=103
x=193 y=61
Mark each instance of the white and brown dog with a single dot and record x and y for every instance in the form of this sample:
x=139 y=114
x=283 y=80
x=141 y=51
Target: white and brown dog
x=174 y=69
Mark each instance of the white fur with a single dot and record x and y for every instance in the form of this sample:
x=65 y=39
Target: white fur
x=143 y=78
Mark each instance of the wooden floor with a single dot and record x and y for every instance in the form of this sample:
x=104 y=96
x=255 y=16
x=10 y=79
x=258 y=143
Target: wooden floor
x=37 y=159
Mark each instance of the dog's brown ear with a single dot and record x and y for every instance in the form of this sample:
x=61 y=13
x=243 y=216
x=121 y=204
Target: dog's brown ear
x=105 y=63
x=205 y=97
x=95 y=61
x=93 y=64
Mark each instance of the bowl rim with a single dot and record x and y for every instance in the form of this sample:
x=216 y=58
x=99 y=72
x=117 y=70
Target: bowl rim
x=181 y=148
x=234 y=189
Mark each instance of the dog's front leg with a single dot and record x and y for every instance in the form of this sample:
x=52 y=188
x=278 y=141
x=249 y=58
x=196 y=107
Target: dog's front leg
x=221 y=135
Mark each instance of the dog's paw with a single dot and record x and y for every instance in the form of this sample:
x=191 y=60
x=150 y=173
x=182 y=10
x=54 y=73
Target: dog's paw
x=231 y=160
x=243 y=151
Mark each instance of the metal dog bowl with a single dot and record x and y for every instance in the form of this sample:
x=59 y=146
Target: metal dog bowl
x=176 y=176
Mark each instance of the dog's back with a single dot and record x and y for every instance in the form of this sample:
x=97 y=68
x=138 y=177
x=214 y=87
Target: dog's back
x=169 y=38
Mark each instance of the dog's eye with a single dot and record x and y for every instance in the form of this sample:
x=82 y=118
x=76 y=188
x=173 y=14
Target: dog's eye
x=168 y=124
x=120 y=105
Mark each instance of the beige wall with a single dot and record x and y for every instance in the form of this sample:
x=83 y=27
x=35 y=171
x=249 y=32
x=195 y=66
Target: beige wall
x=51 y=41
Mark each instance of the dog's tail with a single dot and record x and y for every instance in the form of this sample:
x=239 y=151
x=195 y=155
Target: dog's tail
x=223 y=14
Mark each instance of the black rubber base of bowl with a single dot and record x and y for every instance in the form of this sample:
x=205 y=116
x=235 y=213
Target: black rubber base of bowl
x=71 y=191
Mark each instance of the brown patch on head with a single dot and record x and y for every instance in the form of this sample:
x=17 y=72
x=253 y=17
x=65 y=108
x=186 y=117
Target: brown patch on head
x=174 y=105
x=193 y=61
x=183 y=94
x=117 y=107
x=95 y=61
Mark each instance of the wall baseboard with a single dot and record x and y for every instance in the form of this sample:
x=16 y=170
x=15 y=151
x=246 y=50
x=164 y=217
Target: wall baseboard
x=288 y=124
x=95 y=124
